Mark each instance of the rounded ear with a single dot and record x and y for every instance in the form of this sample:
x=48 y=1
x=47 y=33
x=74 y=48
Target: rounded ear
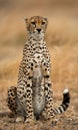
x=25 y=19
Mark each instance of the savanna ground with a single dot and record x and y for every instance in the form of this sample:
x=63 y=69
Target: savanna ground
x=62 y=41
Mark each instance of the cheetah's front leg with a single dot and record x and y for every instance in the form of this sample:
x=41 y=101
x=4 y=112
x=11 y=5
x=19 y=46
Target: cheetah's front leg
x=25 y=90
x=48 y=95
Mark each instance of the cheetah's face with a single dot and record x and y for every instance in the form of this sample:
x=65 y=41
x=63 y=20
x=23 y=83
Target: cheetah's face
x=36 y=25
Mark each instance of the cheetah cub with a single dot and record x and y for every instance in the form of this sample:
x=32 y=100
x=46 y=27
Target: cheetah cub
x=33 y=96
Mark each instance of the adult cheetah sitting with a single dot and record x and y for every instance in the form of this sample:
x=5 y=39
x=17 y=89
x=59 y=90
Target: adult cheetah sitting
x=33 y=95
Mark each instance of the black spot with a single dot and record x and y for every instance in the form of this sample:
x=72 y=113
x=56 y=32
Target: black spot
x=28 y=90
x=13 y=98
x=28 y=101
x=47 y=76
x=27 y=74
x=46 y=88
x=38 y=57
x=51 y=109
x=31 y=68
x=30 y=108
x=11 y=101
x=30 y=112
x=12 y=94
x=28 y=95
x=50 y=100
x=22 y=88
x=30 y=77
x=49 y=84
x=8 y=101
x=31 y=64
x=34 y=49
x=25 y=82
x=28 y=85
x=24 y=96
x=12 y=104
x=10 y=90
x=20 y=92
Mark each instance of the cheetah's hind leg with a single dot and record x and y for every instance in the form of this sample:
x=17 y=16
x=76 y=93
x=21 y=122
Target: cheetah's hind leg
x=11 y=99
x=14 y=105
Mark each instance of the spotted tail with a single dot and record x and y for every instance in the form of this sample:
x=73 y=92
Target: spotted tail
x=65 y=103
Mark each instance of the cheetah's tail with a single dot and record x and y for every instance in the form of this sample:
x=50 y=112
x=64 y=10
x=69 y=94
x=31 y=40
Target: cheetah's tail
x=65 y=103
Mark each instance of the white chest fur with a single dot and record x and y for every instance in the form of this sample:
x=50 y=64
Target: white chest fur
x=38 y=87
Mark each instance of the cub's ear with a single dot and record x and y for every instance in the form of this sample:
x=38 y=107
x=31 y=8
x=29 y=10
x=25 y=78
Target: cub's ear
x=26 y=20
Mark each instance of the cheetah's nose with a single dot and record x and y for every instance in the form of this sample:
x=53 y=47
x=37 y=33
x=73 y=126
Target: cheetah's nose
x=38 y=29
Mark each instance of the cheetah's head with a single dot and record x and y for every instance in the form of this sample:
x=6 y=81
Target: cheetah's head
x=36 y=25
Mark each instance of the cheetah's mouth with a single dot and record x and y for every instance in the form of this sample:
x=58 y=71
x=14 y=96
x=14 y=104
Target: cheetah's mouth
x=37 y=35
x=38 y=32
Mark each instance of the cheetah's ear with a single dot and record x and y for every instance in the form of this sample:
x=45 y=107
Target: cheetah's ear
x=46 y=19
x=25 y=19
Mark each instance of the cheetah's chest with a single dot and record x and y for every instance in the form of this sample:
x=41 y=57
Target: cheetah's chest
x=38 y=88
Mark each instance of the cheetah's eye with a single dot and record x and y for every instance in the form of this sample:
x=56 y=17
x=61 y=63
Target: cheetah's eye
x=33 y=23
x=43 y=23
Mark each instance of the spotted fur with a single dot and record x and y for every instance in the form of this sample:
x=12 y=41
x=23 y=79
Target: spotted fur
x=34 y=96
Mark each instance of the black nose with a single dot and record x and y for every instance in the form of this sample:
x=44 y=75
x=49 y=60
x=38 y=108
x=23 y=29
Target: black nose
x=39 y=29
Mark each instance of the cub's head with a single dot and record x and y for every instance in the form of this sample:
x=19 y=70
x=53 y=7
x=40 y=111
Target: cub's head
x=36 y=25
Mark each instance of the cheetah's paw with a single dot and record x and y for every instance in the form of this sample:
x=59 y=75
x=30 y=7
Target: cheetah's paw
x=30 y=120
x=20 y=119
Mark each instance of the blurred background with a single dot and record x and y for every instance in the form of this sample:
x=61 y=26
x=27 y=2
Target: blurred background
x=61 y=37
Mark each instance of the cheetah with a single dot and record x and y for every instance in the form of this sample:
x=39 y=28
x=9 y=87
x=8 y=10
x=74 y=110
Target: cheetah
x=33 y=95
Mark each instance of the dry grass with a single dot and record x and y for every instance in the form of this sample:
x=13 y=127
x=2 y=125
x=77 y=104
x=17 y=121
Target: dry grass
x=62 y=41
